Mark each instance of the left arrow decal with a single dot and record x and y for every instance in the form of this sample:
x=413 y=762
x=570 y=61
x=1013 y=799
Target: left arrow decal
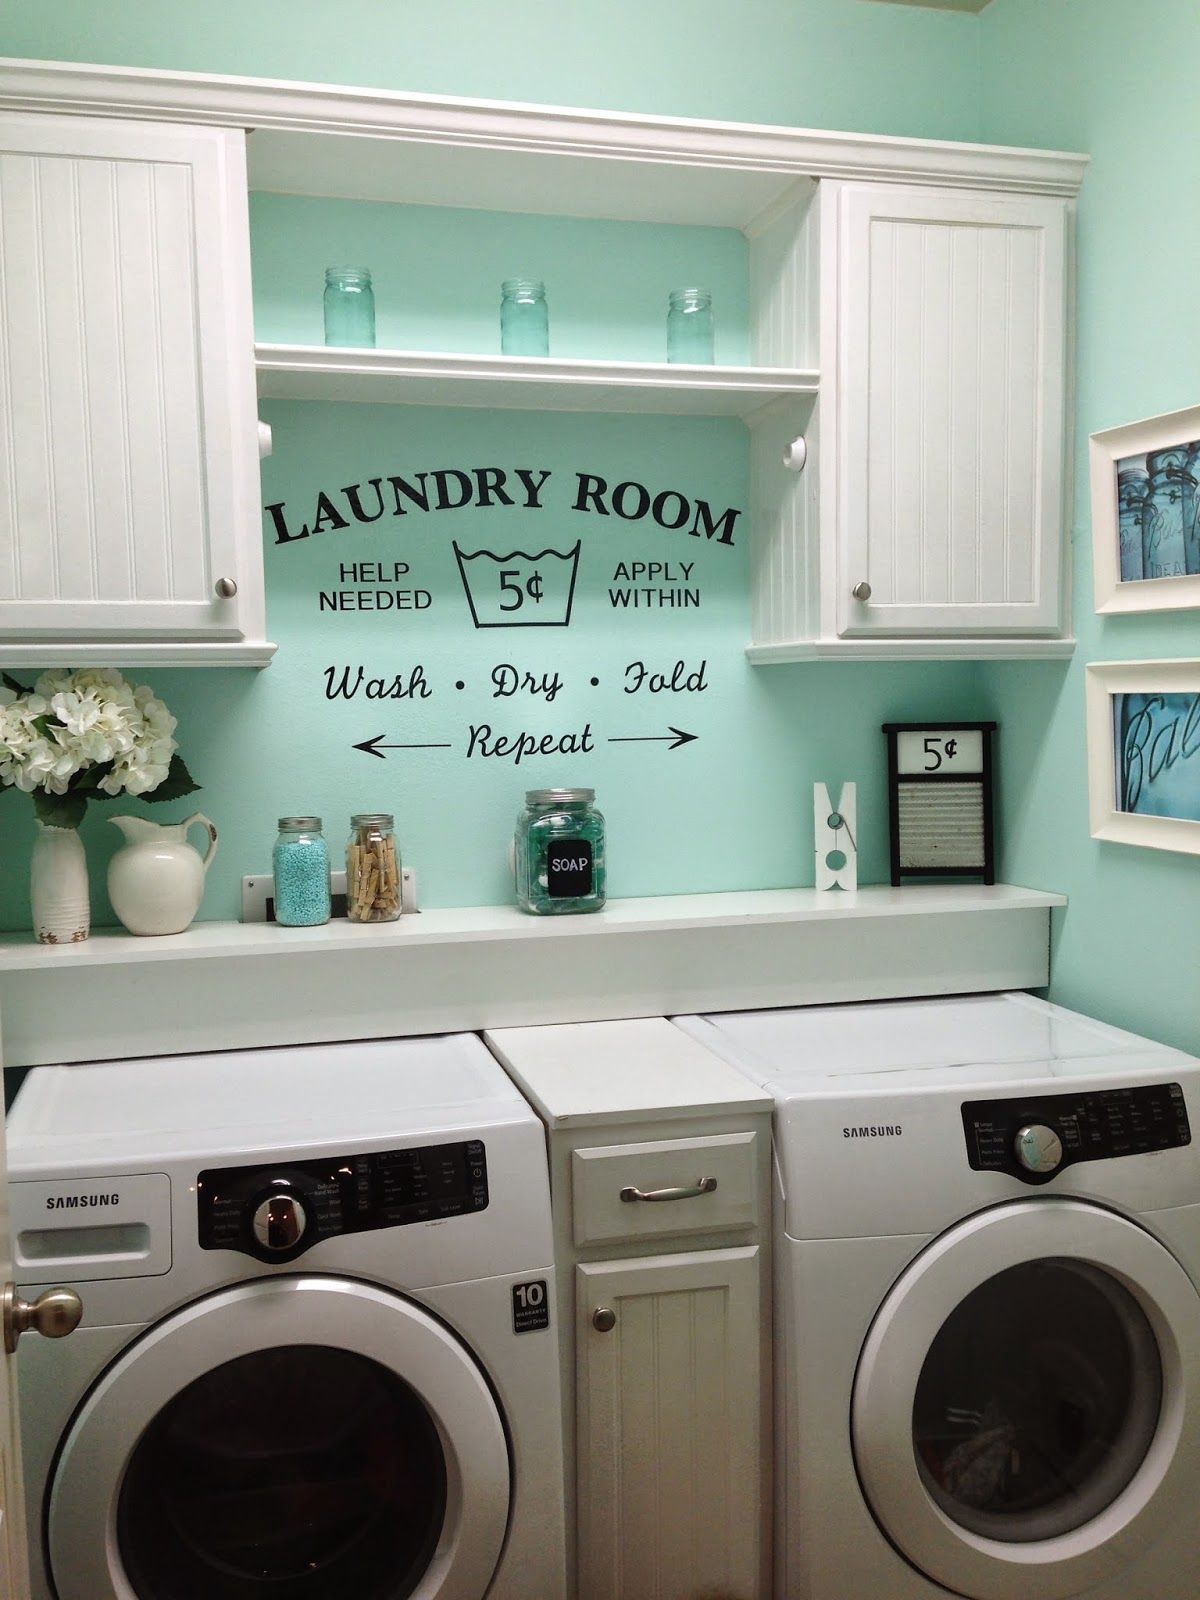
x=376 y=746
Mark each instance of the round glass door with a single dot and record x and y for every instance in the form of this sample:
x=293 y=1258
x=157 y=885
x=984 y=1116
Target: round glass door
x=296 y=1473
x=288 y=1439
x=1038 y=1401
x=1023 y=1417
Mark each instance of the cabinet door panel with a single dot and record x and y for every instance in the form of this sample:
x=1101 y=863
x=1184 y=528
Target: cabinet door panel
x=951 y=318
x=669 y=1431
x=128 y=471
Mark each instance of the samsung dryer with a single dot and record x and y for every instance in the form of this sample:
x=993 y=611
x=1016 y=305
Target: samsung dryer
x=988 y=1324
x=315 y=1357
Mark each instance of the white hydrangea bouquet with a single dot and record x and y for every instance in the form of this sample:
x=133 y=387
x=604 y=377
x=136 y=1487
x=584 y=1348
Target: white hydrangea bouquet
x=80 y=736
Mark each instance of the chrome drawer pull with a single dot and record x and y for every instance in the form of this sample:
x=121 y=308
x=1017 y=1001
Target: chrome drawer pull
x=686 y=1192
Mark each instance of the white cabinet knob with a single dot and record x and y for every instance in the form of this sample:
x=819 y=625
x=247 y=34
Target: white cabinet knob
x=796 y=454
x=861 y=591
x=226 y=588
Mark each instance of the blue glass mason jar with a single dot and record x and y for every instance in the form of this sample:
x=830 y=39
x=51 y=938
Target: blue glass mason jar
x=300 y=862
x=558 y=853
x=524 y=317
x=690 y=327
x=349 y=308
x=1169 y=510
x=1133 y=485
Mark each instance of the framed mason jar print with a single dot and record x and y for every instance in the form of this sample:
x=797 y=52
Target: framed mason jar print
x=1143 y=726
x=1146 y=514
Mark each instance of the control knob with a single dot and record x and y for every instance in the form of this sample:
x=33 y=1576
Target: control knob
x=279 y=1222
x=1038 y=1148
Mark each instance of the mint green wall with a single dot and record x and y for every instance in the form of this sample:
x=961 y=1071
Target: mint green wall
x=810 y=63
x=734 y=808
x=1121 y=84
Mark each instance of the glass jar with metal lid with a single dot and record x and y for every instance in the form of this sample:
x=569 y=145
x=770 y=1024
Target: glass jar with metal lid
x=300 y=862
x=558 y=855
x=372 y=869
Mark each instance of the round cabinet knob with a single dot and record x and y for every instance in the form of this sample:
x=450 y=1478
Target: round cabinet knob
x=279 y=1222
x=604 y=1320
x=226 y=588
x=1038 y=1148
x=54 y=1314
x=861 y=591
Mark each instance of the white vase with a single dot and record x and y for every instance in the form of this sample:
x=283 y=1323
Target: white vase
x=58 y=886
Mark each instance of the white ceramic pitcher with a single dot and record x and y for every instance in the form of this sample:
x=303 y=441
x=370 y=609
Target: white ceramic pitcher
x=156 y=878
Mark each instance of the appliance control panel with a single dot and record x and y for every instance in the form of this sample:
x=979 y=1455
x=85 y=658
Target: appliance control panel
x=1036 y=1137
x=277 y=1212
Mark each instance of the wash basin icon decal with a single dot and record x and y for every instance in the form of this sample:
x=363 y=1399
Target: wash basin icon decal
x=520 y=589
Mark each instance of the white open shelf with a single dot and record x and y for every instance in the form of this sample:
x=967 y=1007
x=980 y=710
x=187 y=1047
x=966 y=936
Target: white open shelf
x=529 y=383
x=228 y=985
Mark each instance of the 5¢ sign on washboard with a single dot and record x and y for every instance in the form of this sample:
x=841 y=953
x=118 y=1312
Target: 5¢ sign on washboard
x=940 y=799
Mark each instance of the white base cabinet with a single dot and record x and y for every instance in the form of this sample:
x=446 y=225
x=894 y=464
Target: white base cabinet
x=129 y=486
x=669 y=1436
x=660 y=1181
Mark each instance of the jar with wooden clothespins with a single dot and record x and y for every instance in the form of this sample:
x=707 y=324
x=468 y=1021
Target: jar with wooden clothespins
x=372 y=869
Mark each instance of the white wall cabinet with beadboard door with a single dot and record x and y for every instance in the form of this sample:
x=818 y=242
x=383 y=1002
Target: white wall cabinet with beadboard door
x=670 y=1444
x=130 y=525
x=930 y=516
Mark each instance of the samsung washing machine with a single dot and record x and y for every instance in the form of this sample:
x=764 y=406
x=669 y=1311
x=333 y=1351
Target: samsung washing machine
x=988 y=1325
x=315 y=1357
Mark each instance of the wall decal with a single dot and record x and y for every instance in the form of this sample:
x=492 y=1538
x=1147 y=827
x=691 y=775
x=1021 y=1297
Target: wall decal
x=519 y=590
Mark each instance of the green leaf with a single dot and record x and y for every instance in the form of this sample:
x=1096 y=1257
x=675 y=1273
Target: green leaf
x=89 y=782
x=11 y=683
x=59 y=810
x=175 y=785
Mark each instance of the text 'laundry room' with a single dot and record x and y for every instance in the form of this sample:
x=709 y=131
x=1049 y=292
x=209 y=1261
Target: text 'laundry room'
x=599 y=800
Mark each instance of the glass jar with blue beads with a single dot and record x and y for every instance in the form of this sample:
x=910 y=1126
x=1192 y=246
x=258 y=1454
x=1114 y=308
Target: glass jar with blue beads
x=558 y=855
x=301 y=865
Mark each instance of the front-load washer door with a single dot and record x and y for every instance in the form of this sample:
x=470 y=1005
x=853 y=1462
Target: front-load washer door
x=299 y=1438
x=1025 y=1418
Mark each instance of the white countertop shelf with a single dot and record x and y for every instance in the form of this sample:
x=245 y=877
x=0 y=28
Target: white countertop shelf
x=529 y=383
x=226 y=986
x=505 y=924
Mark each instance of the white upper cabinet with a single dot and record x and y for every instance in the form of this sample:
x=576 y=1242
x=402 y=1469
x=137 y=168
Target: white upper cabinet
x=129 y=490
x=948 y=316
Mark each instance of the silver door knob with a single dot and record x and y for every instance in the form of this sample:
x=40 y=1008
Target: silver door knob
x=861 y=591
x=226 y=588
x=279 y=1222
x=54 y=1314
x=1038 y=1148
x=604 y=1320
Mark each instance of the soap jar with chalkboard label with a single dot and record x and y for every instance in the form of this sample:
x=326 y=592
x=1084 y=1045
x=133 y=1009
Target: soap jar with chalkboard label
x=558 y=854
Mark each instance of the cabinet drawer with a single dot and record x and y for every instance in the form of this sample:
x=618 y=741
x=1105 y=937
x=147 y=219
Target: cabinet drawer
x=598 y=1177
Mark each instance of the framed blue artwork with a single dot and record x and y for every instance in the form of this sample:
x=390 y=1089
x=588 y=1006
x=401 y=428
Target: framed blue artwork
x=1144 y=753
x=1145 y=480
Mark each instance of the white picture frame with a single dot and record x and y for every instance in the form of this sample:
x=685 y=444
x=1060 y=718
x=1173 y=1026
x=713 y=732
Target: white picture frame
x=1143 y=733
x=1126 y=448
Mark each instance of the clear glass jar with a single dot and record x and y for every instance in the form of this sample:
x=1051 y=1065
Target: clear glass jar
x=349 y=307
x=300 y=862
x=372 y=869
x=1169 y=509
x=524 y=318
x=1132 y=486
x=690 y=327
x=558 y=853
